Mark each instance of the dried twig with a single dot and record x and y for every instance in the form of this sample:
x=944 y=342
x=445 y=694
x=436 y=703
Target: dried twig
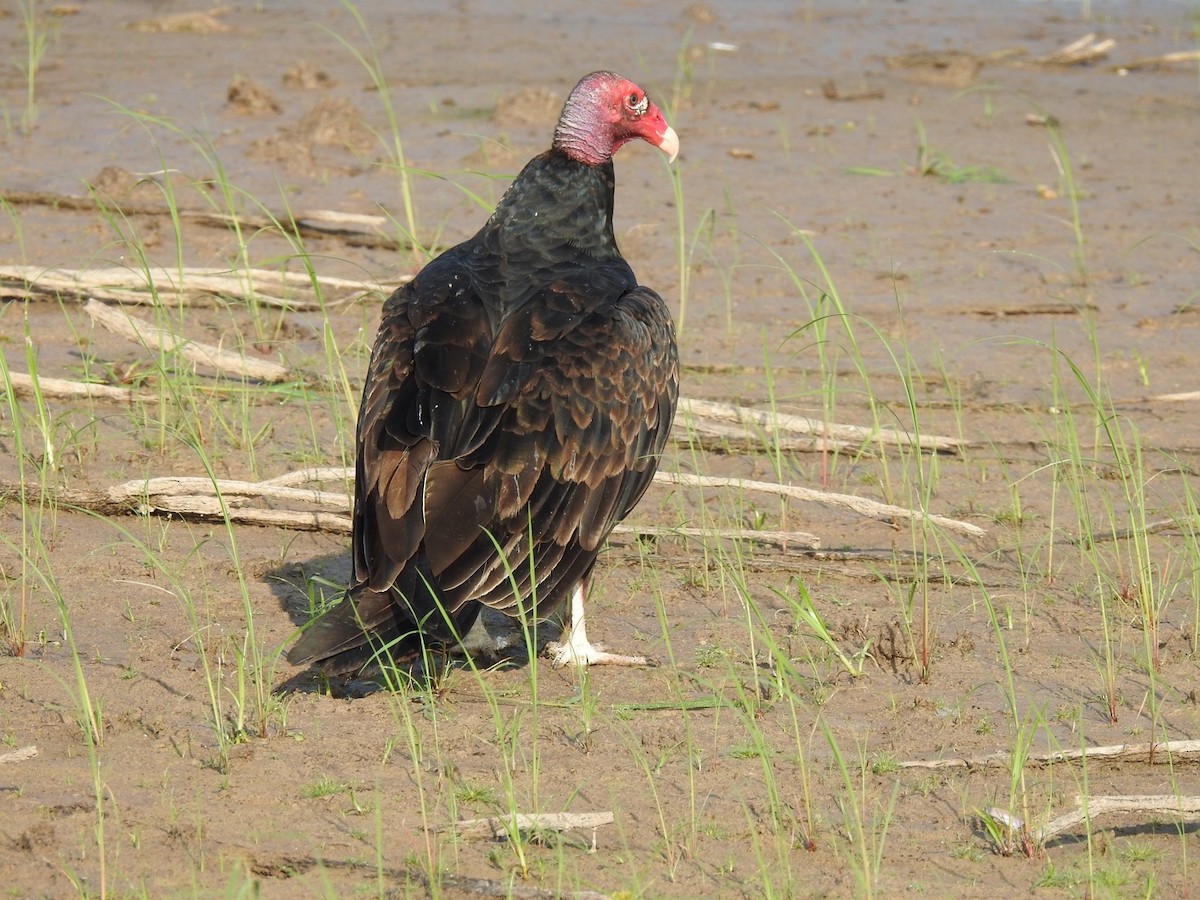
x=197 y=497
x=830 y=91
x=500 y=827
x=193 y=22
x=1086 y=49
x=486 y=887
x=441 y=883
x=232 y=490
x=19 y=755
x=861 y=505
x=1101 y=806
x=151 y=336
x=1184 y=807
x=353 y=230
x=952 y=68
x=781 y=538
x=1160 y=752
x=313 y=475
x=720 y=435
x=766 y=419
x=1175 y=398
x=1004 y=310
x=289 y=290
x=205 y=498
x=60 y=388
x=1166 y=59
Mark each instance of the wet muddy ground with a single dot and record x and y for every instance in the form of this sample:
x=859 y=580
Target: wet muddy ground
x=907 y=215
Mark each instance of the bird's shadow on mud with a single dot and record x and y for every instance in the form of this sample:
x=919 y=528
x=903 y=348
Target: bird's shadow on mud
x=305 y=588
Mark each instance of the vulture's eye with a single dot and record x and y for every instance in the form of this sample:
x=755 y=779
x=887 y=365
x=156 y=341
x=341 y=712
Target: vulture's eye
x=638 y=103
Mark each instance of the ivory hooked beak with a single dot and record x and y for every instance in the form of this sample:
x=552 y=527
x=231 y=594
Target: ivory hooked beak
x=669 y=144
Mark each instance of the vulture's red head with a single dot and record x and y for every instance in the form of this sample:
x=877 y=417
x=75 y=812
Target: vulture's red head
x=605 y=111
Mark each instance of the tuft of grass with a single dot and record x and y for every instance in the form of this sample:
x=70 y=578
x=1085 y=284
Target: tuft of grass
x=936 y=164
x=805 y=611
x=1062 y=159
x=325 y=786
x=393 y=143
x=865 y=819
x=37 y=40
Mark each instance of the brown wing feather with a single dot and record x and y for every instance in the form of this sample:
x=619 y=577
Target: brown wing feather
x=392 y=458
x=577 y=443
x=496 y=457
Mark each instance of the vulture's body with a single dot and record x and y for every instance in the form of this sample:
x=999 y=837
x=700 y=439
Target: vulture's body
x=520 y=391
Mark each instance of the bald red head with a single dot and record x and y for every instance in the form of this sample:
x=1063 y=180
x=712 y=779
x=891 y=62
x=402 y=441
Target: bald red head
x=606 y=110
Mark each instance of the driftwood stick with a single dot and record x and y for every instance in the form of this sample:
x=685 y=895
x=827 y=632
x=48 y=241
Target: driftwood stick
x=60 y=388
x=1179 y=56
x=1170 y=804
x=1160 y=752
x=782 y=538
x=1162 y=804
x=1086 y=49
x=1176 y=398
x=210 y=508
x=152 y=337
x=19 y=755
x=402 y=875
x=313 y=476
x=178 y=486
x=352 y=229
x=709 y=433
x=499 y=827
x=340 y=222
x=486 y=887
x=290 y=290
x=198 y=496
x=707 y=409
x=861 y=505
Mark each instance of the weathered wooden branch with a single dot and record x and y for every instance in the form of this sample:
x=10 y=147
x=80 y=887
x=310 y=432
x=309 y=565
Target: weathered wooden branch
x=793 y=424
x=442 y=882
x=288 y=290
x=19 y=755
x=209 y=499
x=861 y=505
x=712 y=435
x=500 y=827
x=152 y=336
x=353 y=230
x=232 y=490
x=1086 y=49
x=1095 y=807
x=62 y=389
x=312 y=475
x=1166 y=59
x=198 y=497
x=1176 y=398
x=487 y=887
x=1184 y=807
x=781 y=538
x=1159 y=752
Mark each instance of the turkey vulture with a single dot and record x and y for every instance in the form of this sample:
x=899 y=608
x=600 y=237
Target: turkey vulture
x=519 y=394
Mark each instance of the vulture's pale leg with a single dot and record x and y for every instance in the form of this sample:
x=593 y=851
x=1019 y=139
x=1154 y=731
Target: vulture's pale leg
x=576 y=650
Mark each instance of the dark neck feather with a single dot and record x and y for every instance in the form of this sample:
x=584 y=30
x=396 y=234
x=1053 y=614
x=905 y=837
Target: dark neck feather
x=557 y=205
